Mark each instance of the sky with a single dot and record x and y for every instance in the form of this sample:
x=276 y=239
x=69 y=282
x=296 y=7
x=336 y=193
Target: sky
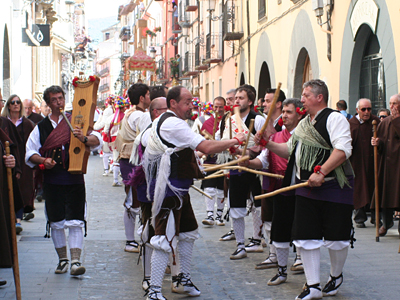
x=95 y=9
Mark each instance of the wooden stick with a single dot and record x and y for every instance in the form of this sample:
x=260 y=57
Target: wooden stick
x=272 y=109
x=374 y=123
x=254 y=171
x=230 y=125
x=213 y=176
x=207 y=135
x=199 y=128
x=248 y=138
x=13 y=230
x=200 y=191
x=278 y=191
x=215 y=125
x=54 y=154
x=66 y=119
x=233 y=162
x=237 y=118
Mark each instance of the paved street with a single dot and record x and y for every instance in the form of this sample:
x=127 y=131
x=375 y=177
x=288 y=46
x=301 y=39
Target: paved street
x=371 y=271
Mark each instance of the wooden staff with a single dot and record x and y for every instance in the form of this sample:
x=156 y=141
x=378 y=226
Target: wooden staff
x=254 y=171
x=13 y=230
x=272 y=109
x=66 y=119
x=248 y=138
x=215 y=125
x=237 y=118
x=374 y=123
x=233 y=162
x=207 y=135
x=286 y=189
x=200 y=191
x=213 y=176
x=54 y=154
x=230 y=125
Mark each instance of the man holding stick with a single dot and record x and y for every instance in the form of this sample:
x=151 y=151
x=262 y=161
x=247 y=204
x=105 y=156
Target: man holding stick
x=388 y=144
x=283 y=205
x=64 y=192
x=319 y=150
x=215 y=186
x=243 y=185
x=170 y=165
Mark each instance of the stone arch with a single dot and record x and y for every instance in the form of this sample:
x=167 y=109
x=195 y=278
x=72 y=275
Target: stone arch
x=350 y=65
x=303 y=59
x=264 y=63
x=264 y=81
x=302 y=39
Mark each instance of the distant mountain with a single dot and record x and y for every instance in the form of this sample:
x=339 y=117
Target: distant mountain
x=96 y=25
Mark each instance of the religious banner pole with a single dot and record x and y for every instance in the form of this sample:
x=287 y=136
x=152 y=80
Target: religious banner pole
x=374 y=124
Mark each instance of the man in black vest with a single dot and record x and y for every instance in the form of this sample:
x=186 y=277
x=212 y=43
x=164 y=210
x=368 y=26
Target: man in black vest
x=64 y=192
x=170 y=165
x=243 y=185
x=319 y=150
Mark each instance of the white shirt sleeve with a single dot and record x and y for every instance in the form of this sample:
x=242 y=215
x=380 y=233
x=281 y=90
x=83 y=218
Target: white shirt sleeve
x=177 y=132
x=144 y=121
x=32 y=146
x=258 y=122
x=263 y=157
x=339 y=132
x=133 y=119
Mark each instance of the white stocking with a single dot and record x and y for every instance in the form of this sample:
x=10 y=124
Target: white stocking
x=147 y=253
x=175 y=269
x=129 y=222
x=239 y=227
x=75 y=237
x=282 y=255
x=185 y=249
x=257 y=223
x=159 y=261
x=58 y=237
x=116 y=172
x=311 y=263
x=338 y=258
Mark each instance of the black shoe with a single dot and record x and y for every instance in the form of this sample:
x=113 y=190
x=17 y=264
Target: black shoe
x=28 y=216
x=332 y=286
x=3 y=282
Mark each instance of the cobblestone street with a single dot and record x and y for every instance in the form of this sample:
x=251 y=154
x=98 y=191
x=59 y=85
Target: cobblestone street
x=371 y=271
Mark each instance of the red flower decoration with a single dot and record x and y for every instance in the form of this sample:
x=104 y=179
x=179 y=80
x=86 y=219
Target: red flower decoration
x=301 y=111
x=227 y=108
x=74 y=81
x=219 y=117
x=42 y=167
x=232 y=150
x=236 y=130
x=194 y=117
x=280 y=122
x=263 y=143
x=92 y=78
x=257 y=108
x=317 y=169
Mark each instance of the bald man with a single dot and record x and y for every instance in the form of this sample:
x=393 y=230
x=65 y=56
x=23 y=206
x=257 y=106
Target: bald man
x=28 y=106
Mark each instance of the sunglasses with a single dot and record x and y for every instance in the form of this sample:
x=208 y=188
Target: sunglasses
x=15 y=102
x=382 y=117
x=366 y=108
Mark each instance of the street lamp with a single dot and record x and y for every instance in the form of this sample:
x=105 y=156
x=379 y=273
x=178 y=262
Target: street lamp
x=211 y=6
x=153 y=52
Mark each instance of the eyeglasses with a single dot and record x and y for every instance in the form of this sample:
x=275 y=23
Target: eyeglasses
x=382 y=116
x=15 y=102
x=163 y=108
x=366 y=108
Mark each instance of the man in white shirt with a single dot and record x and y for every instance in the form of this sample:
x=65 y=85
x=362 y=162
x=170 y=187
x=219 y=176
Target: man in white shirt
x=170 y=165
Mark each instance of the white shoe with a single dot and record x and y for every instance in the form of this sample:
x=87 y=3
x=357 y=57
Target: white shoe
x=146 y=283
x=239 y=254
x=208 y=221
x=154 y=293
x=62 y=266
x=280 y=277
x=219 y=221
x=269 y=263
x=254 y=246
x=188 y=287
x=117 y=184
x=332 y=286
x=131 y=246
x=105 y=173
x=297 y=265
x=175 y=287
x=310 y=292
x=77 y=268
x=228 y=236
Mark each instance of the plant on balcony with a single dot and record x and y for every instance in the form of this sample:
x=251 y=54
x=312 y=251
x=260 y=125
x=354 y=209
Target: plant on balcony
x=174 y=65
x=157 y=29
x=150 y=33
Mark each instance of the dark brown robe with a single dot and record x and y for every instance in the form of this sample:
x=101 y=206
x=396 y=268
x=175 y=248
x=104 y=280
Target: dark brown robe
x=35 y=118
x=389 y=163
x=5 y=229
x=362 y=161
x=27 y=186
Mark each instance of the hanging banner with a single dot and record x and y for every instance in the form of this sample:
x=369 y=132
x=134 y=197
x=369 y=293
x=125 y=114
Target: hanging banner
x=39 y=36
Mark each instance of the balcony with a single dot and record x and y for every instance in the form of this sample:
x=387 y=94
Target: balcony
x=191 y=5
x=125 y=33
x=104 y=72
x=230 y=23
x=188 y=67
x=213 y=53
x=104 y=88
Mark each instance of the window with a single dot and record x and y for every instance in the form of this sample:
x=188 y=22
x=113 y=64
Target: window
x=107 y=36
x=261 y=9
